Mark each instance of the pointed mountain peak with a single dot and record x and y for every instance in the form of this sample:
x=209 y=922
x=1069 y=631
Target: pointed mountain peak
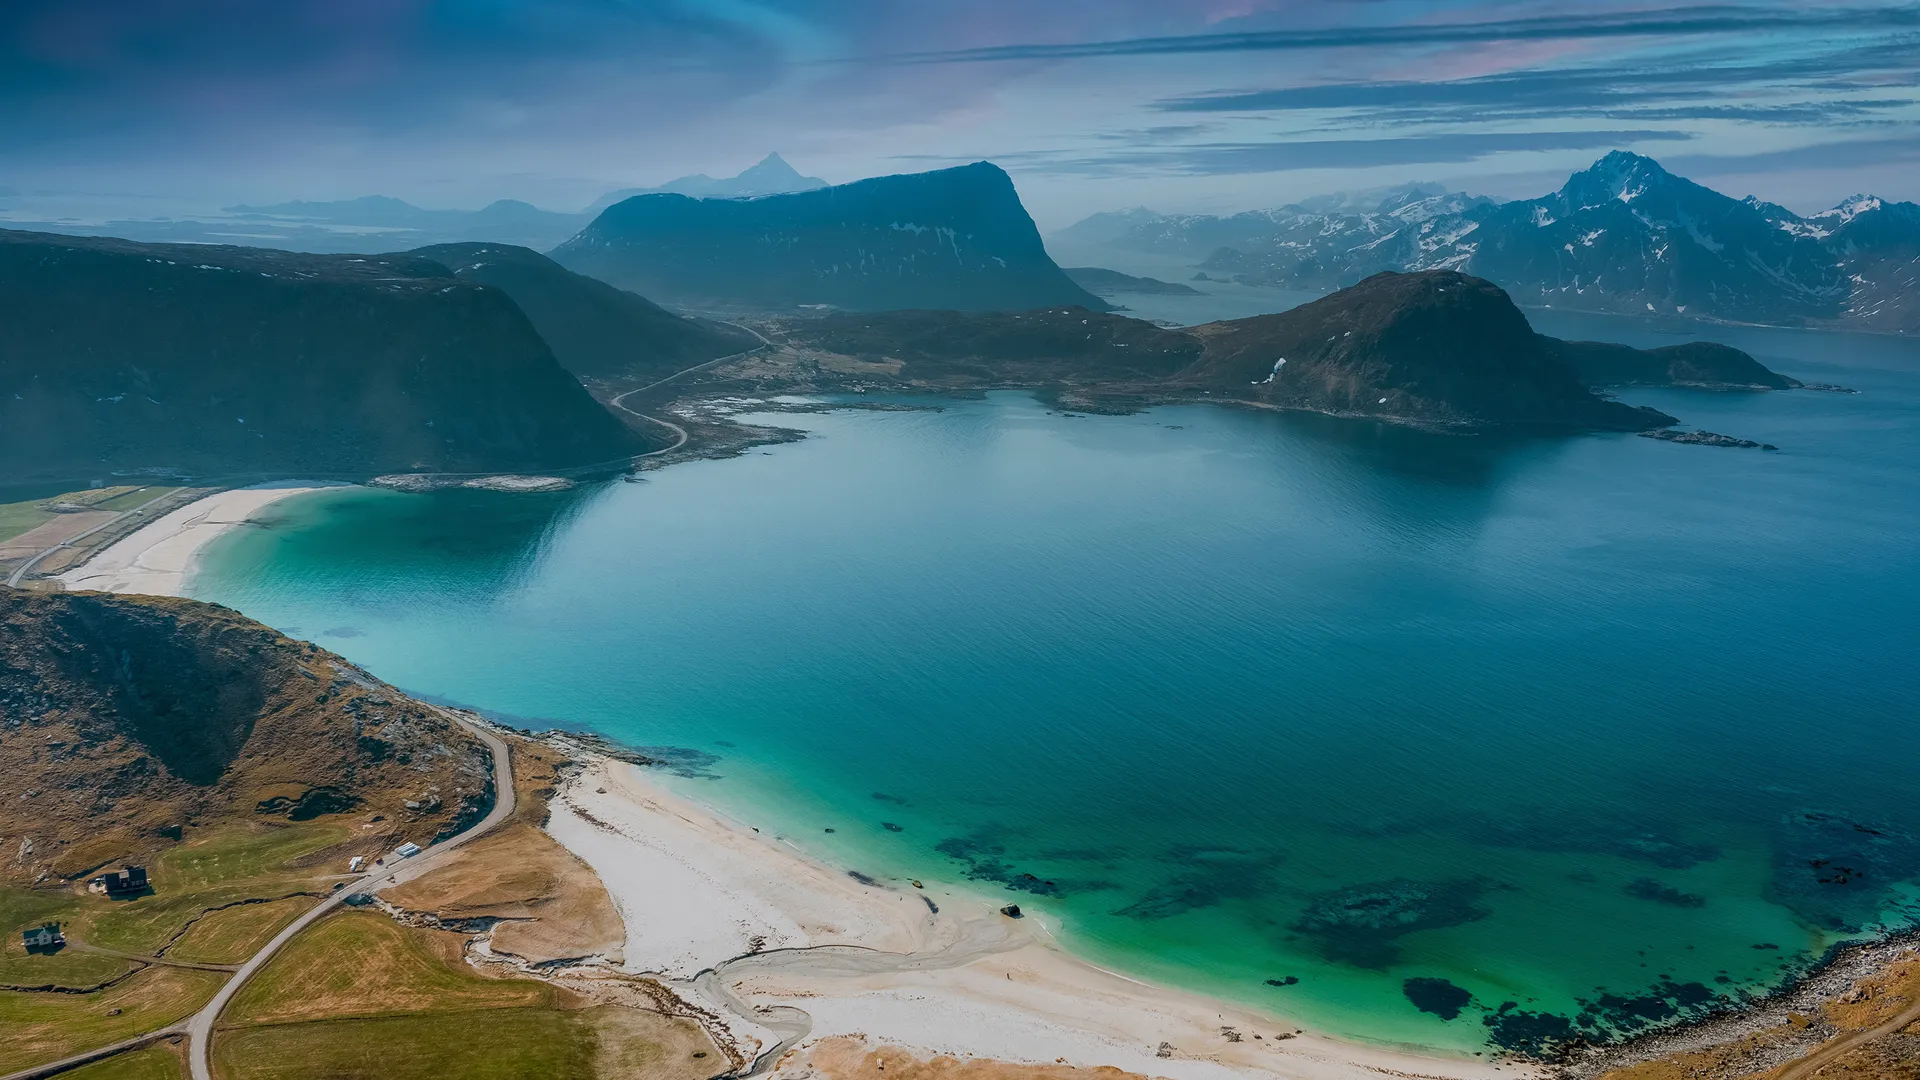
x=1850 y=207
x=771 y=167
x=1621 y=175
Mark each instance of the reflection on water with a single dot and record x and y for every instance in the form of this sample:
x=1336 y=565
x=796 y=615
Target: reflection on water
x=1414 y=737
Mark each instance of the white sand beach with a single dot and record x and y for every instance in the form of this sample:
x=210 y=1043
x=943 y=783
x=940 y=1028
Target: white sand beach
x=787 y=952
x=155 y=560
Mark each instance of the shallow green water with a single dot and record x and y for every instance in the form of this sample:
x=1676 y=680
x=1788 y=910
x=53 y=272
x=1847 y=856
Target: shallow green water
x=1566 y=724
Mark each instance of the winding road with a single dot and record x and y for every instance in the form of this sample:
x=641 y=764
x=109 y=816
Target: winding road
x=680 y=433
x=200 y=1025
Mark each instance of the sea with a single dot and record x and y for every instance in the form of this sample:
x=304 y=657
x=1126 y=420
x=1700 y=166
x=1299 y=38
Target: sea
x=1462 y=743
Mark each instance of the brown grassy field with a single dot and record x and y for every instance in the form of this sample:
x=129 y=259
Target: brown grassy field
x=361 y=996
x=560 y=910
x=46 y=1027
x=231 y=935
x=163 y=1062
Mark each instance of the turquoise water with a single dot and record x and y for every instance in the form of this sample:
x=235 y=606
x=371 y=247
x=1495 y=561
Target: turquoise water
x=1576 y=735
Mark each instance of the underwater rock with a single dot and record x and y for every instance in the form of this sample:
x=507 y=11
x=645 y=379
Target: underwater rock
x=1437 y=996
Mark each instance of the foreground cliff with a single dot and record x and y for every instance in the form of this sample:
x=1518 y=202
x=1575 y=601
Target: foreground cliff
x=119 y=357
x=954 y=238
x=127 y=723
x=596 y=330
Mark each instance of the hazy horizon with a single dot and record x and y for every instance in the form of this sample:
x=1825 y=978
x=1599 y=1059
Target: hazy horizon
x=1215 y=106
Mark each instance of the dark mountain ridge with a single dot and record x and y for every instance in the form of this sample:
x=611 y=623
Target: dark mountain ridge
x=955 y=238
x=1438 y=349
x=120 y=356
x=595 y=330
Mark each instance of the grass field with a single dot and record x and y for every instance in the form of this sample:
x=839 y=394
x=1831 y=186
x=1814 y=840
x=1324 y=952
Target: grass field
x=46 y=1027
x=152 y=1063
x=231 y=935
x=363 y=964
x=360 y=997
x=24 y=908
x=238 y=862
x=18 y=517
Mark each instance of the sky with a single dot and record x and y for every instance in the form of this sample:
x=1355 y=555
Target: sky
x=1179 y=105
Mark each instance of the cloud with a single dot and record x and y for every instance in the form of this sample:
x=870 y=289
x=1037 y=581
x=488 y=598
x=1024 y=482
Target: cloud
x=1223 y=159
x=1681 y=22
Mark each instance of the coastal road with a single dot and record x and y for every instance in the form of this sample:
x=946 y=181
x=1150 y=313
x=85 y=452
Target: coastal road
x=680 y=433
x=1807 y=1067
x=200 y=1025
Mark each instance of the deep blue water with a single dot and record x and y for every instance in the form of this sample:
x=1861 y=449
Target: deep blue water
x=1588 y=727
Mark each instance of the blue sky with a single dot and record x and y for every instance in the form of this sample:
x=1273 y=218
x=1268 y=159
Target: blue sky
x=1183 y=106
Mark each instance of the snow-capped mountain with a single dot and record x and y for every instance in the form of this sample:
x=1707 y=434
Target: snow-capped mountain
x=1623 y=235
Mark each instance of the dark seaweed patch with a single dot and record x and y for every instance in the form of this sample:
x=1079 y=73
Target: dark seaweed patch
x=881 y=796
x=1290 y=980
x=891 y=827
x=1662 y=893
x=1362 y=925
x=1642 y=840
x=1836 y=872
x=1208 y=876
x=984 y=858
x=1437 y=996
x=683 y=761
x=1535 y=1034
x=1606 y=1019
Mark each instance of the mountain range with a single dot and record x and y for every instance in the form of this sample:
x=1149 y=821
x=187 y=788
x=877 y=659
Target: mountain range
x=384 y=223
x=772 y=176
x=1623 y=236
x=120 y=356
x=953 y=238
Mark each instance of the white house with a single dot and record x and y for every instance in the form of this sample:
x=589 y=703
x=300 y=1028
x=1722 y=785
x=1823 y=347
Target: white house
x=45 y=936
x=407 y=850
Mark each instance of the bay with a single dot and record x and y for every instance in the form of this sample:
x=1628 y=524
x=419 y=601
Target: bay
x=1304 y=712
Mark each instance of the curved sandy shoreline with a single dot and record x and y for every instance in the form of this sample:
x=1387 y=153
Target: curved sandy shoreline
x=788 y=952
x=156 y=559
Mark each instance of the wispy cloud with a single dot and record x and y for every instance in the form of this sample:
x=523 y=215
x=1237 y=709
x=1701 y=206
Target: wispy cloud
x=1672 y=23
x=1284 y=155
